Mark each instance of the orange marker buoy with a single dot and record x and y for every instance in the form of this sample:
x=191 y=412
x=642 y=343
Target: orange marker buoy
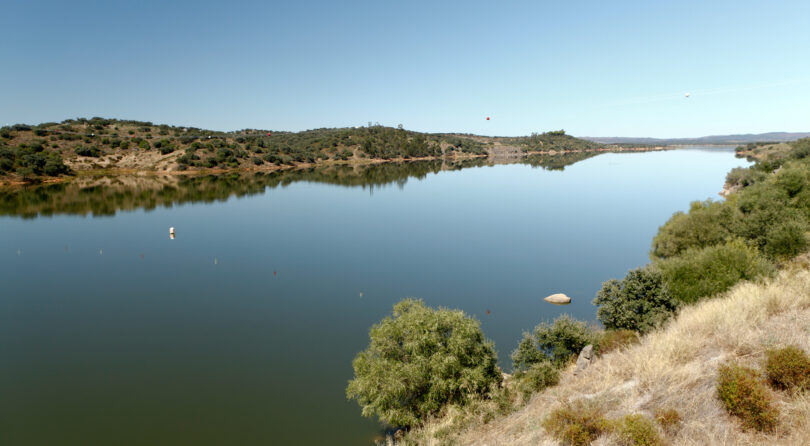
x=487 y=312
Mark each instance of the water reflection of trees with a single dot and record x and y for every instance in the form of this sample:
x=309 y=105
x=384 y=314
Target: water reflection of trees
x=106 y=195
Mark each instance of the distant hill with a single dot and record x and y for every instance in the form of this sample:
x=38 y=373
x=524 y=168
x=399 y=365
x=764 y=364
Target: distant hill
x=715 y=139
x=30 y=153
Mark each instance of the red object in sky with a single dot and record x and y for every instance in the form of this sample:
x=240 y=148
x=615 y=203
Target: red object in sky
x=487 y=118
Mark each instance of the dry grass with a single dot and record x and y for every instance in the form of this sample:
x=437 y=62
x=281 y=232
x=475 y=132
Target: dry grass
x=677 y=368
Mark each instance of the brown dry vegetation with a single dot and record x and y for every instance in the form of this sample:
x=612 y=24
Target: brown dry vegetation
x=673 y=368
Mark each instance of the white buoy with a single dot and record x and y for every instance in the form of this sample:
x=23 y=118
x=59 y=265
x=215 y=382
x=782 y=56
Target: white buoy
x=171 y=230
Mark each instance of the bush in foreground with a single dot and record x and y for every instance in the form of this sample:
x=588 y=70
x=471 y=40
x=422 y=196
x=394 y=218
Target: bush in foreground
x=419 y=360
x=788 y=368
x=576 y=424
x=637 y=430
x=537 y=377
x=669 y=419
x=744 y=395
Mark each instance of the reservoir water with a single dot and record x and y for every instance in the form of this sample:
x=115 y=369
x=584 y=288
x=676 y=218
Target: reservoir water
x=242 y=329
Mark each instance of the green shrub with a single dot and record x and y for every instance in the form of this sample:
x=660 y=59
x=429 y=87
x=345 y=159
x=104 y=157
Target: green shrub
x=744 y=395
x=705 y=272
x=707 y=223
x=640 y=302
x=786 y=239
x=420 y=360
x=558 y=342
x=617 y=339
x=539 y=376
x=788 y=368
x=88 y=151
x=763 y=207
x=143 y=144
x=124 y=145
x=637 y=430
x=167 y=149
x=576 y=424
x=792 y=179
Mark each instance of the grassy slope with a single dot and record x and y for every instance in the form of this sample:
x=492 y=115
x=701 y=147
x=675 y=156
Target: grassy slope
x=676 y=367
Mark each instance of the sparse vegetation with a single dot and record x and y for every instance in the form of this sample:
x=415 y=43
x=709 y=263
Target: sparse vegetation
x=669 y=419
x=788 y=368
x=248 y=149
x=576 y=423
x=637 y=430
x=612 y=340
x=744 y=395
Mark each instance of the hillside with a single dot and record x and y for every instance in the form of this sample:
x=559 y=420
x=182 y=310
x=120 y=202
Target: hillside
x=676 y=368
x=36 y=152
x=715 y=139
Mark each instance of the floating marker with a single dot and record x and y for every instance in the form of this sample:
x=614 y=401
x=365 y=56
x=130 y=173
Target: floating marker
x=215 y=260
x=688 y=94
x=488 y=312
x=171 y=233
x=361 y=294
x=487 y=118
x=100 y=252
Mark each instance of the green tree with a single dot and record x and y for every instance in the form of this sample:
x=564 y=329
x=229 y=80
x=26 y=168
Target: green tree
x=640 y=302
x=420 y=359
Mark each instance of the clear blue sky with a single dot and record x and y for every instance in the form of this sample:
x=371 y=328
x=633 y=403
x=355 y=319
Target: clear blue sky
x=600 y=68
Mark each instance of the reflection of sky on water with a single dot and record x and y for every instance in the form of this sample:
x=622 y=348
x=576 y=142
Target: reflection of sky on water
x=243 y=327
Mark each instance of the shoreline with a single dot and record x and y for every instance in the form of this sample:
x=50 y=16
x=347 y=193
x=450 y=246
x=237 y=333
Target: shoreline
x=8 y=183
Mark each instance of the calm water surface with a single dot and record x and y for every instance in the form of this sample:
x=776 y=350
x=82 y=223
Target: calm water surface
x=242 y=329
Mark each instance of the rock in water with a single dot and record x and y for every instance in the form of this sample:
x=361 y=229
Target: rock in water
x=558 y=298
x=584 y=359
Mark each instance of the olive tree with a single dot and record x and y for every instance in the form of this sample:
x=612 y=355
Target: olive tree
x=420 y=359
